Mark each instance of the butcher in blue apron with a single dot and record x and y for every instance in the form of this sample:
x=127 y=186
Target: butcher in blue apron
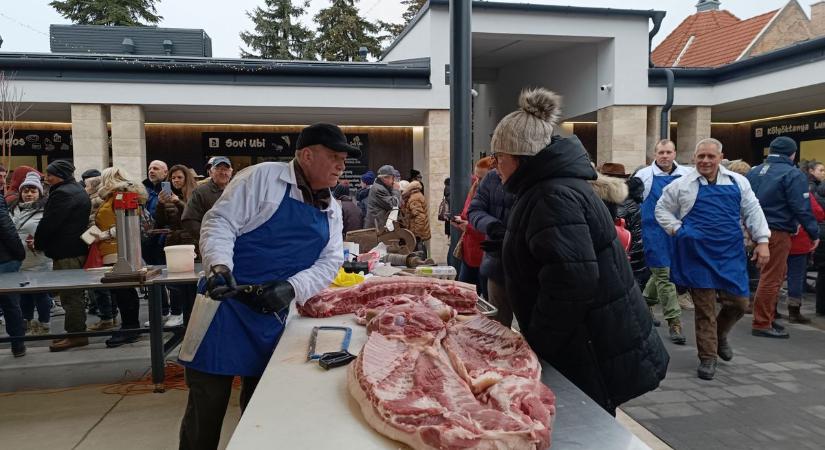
x=274 y=236
x=659 y=288
x=704 y=211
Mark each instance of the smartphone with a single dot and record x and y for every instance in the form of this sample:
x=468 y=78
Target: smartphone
x=166 y=186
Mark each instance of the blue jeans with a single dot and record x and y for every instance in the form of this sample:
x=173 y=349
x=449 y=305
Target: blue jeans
x=10 y=304
x=41 y=301
x=797 y=271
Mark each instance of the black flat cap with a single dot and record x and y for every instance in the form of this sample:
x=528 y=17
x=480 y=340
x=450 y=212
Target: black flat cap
x=329 y=136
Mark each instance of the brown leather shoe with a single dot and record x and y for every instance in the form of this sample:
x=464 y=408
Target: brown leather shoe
x=65 y=344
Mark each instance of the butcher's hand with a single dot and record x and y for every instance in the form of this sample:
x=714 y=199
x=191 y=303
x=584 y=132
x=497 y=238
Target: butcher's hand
x=220 y=284
x=277 y=296
x=761 y=255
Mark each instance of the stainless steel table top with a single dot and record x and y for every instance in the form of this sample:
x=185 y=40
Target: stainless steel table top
x=56 y=280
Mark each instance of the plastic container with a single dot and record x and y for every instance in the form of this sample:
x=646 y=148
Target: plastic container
x=180 y=258
x=441 y=272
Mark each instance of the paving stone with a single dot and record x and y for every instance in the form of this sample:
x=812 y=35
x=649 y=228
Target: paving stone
x=697 y=395
x=666 y=410
x=800 y=365
x=741 y=360
x=639 y=413
x=772 y=434
x=727 y=402
x=682 y=384
x=790 y=386
x=717 y=393
x=818 y=411
x=709 y=406
x=770 y=367
x=775 y=377
x=749 y=390
x=669 y=397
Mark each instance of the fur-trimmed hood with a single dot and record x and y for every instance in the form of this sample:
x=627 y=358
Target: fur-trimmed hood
x=123 y=186
x=610 y=189
x=411 y=189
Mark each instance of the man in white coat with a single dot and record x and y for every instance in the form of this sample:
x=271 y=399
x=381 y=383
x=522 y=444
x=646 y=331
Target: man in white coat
x=659 y=289
x=703 y=211
x=273 y=236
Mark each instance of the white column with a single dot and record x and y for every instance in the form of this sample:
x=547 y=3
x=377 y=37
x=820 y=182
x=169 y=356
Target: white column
x=622 y=135
x=437 y=158
x=692 y=125
x=90 y=138
x=129 y=140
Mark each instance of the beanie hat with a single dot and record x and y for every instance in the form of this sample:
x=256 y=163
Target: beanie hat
x=62 y=169
x=368 y=177
x=529 y=129
x=32 y=179
x=783 y=145
x=90 y=174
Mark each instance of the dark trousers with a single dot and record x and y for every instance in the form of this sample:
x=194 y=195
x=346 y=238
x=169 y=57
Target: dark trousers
x=820 y=291
x=182 y=295
x=467 y=274
x=499 y=298
x=129 y=306
x=10 y=305
x=206 y=406
x=41 y=301
x=710 y=326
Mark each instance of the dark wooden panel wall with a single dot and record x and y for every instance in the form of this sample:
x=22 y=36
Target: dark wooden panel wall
x=181 y=144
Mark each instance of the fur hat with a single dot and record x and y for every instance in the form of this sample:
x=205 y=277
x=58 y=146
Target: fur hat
x=33 y=180
x=529 y=129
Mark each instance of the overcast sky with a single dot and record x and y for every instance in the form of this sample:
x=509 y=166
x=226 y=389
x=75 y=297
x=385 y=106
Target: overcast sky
x=24 y=24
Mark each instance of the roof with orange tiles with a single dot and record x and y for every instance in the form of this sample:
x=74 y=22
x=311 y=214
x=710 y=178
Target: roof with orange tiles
x=697 y=24
x=724 y=45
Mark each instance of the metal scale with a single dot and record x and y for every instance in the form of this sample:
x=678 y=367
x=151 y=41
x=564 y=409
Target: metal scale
x=129 y=265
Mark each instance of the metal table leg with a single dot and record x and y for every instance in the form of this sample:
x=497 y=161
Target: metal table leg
x=156 y=336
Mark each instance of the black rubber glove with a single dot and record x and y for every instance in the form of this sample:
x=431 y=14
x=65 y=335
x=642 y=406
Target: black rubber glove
x=220 y=284
x=496 y=231
x=491 y=246
x=276 y=296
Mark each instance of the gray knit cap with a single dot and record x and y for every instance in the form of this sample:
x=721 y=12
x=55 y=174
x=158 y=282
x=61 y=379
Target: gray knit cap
x=529 y=129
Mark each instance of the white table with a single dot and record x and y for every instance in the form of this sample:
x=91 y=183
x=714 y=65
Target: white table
x=299 y=405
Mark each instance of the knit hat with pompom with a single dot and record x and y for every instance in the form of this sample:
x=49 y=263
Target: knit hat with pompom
x=529 y=129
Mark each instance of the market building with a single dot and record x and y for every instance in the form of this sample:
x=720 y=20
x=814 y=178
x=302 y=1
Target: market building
x=126 y=96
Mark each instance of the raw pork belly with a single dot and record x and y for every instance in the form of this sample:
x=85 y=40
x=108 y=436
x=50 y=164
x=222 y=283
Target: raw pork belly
x=332 y=302
x=374 y=306
x=450 y=385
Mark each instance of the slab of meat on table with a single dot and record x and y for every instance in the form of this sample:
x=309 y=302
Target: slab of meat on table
x=450 y=385
x=374 y=306
x=331 y=302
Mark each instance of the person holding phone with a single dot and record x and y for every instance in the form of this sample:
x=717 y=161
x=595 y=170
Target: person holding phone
x=172 y=200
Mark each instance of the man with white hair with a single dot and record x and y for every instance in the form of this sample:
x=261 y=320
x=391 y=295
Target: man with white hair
x=703 y=211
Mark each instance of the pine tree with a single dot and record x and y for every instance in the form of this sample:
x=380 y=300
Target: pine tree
x=342 y=31
x=108 y=12
x=278 y=33
x=394 y=29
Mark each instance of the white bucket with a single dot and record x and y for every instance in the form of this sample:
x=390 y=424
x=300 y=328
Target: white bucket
x=180 y=258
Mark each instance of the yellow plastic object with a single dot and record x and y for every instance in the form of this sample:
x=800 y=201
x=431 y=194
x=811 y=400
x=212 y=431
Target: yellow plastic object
x=344 y=279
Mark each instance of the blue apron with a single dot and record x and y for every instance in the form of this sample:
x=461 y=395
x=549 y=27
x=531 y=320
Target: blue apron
x=708 y=251
x=657 y=243
x=240 y=341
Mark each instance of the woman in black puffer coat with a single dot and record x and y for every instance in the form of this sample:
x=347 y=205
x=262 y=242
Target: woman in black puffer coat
x=569 y=279
x=631 y=212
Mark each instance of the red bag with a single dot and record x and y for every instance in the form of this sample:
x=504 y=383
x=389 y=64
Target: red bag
x=623 y=233
x=94 y=259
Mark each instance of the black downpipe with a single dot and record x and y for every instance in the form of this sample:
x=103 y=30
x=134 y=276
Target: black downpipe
x=460 y=108
x=657 y=17
x=664 y=127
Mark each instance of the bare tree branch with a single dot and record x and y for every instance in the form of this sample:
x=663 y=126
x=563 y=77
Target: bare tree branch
x=11 y=109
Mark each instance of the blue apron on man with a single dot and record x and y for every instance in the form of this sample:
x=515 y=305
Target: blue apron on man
x=240 y=341
x=657 y=243
x=708 y=251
